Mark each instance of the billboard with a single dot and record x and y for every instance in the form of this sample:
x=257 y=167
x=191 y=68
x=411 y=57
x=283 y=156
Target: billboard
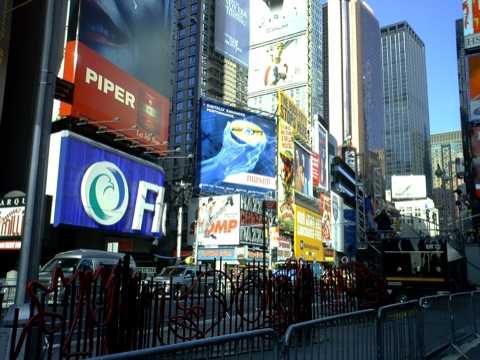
x=307 y=235
x=95 y=186
x=12 y=212
x=337 y=223
x=285 y=176
x=119 y=57
x=275 y=19
x=320 y=169
x=232 y=29
x=473 y=71
x=216 y=220
x=237 y=151
x=292 y=114
x=277 y=65
x=475 y=140
x=303 y=171
x=409 y=187
x=350 y=231
x=471 y=17
x=326 y=225
x=252 y=231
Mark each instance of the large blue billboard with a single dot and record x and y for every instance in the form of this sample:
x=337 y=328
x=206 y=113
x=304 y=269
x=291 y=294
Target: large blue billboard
x=236 y=151
x=232 y=29
x=97 y=187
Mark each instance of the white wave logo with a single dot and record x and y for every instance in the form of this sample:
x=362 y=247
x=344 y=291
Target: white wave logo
x=104 y=192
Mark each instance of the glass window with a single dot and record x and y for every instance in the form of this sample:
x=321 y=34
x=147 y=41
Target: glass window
x=178 y=139
x=180 y=105
x=192 y=60
x=191 y=81
x=66 y=264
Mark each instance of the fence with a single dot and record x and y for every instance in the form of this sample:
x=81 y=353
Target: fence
x=412 y=330
x=113 y=310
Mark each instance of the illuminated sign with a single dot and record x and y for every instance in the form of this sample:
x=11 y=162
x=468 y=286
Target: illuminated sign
x=98 y=187
x=308 y=235
x=12 y=213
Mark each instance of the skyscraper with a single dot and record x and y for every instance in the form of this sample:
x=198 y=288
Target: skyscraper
x=201 y=70
x=372 y=101
x=446 y=149
x=407 y=127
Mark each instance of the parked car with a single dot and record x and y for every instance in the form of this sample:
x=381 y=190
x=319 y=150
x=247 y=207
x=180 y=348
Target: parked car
x=85 y=259
x=179 y=278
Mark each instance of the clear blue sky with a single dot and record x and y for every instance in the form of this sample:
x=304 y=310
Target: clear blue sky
x=434 y=22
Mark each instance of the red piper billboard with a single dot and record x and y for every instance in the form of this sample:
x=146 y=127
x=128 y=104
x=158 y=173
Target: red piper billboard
x=119 y=63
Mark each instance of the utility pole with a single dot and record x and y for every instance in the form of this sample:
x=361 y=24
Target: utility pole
x=53 y=15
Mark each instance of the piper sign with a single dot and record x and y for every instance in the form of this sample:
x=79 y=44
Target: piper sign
x=99 y=187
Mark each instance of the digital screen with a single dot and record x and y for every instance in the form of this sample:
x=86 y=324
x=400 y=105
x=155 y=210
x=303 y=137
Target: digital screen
x=232 y=26
x=237 y=151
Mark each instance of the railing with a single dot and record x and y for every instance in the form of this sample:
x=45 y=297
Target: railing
x=114 y=311
x=412 y=330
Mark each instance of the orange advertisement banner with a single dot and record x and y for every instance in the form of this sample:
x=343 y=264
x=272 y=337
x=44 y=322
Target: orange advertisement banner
x=109 y=97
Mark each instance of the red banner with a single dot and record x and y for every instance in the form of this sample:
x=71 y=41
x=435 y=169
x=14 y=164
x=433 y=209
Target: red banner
x=109 y=97
x=315 y=169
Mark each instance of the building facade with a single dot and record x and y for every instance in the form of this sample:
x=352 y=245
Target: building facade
x=200 y=71
x=407 y=127
x=447 y=155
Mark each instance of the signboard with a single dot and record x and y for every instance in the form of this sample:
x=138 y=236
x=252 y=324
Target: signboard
x=285 y=176
x=292 y=114
x=308 y=235
x=323 y=168
x=326 y=225
x=237 y=151
x=278 y=65
x=303 y=171
x=409 y=187
x=217 y=220
x=120 y=57
x=275 y=19
x=12 y=213
x=337 y=223
x=97 y=187
x=226 y=253
x=350 y=231
x=473 y=76
x=232 y=29
x=251 y=221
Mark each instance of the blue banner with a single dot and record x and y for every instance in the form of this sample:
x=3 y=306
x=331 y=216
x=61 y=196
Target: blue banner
x=237 y=151
x=99 y=187
x=350 y=231
x=232 y=29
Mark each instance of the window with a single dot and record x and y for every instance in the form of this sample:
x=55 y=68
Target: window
x=192 y=60
x=191 y=81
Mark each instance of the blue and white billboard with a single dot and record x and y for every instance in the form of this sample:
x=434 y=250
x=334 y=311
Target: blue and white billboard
x=232 y=29
x=95 y=186
x=237 y=151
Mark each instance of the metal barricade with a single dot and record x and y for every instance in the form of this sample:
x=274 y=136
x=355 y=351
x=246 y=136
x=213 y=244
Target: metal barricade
x=400 y=332
x=461 y=310
x=347 y=336
x=476 y=311
x=258 y=344
x=436 y=323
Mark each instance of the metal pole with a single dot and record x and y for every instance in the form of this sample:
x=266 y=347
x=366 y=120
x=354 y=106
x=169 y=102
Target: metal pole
x=35 y=207
x=179 y=232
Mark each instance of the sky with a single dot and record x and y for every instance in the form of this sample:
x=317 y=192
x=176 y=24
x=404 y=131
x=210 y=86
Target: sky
x=434 y=22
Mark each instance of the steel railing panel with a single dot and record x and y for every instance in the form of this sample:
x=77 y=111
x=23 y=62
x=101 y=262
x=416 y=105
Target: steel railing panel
x=436 y=322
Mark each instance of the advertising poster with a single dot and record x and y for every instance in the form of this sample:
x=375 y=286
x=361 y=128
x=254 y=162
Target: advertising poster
x=275 y=19
x=409 y=187
x=303 y=171
x=232 y=28
x=278 y=65
x=307 y=236
x=474 y=87
x=12 y=212
x=218 y=220
x=323 y=181
x=475 y=140
x=237 y=151
x=285 y=176
x=350 y=231
x=95 y=186
x=120 y=57
x=337 y=223
x=476 y=175
x=292 y=114
x=251 y=221
x=471 y=17
x=326 y=225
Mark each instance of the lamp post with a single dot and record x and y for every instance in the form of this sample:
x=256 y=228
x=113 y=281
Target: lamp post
x=182 y=194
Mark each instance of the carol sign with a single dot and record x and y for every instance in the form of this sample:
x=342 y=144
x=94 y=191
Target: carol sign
x=98 y=187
